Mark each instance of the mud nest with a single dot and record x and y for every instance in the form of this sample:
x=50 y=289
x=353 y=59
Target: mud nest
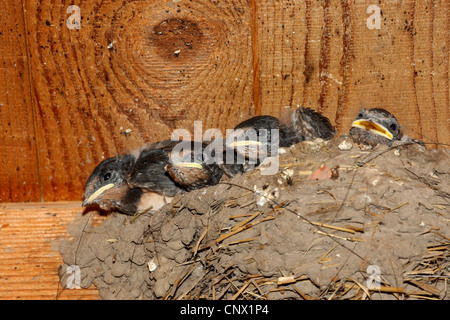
x=335 y=222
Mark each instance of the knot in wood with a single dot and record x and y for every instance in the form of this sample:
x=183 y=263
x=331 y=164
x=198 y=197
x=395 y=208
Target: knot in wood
x=176 y=38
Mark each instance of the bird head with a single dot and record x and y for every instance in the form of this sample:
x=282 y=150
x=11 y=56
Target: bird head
x=257 y=137
x=187 y=154
x=378 y=121
x=106 y=185
x=192 y=165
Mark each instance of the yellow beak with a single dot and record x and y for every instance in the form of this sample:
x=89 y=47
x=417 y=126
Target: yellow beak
x=189 y=165
x=374 y=127
x=97 y=193
x=244 y=143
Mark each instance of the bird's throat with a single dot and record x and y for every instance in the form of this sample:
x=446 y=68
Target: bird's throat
x=373 y=127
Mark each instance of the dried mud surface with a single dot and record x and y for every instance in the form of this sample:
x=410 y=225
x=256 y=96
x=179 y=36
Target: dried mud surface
x=284 y=236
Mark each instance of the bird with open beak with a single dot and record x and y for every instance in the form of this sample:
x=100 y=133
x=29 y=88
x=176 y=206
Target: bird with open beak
x=373 y=127
x=133 y=183
x=193 y=165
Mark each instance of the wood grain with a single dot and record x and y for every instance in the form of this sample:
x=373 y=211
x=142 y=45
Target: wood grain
x=19 y=179
x=137 y=70
x=321 y=54
x=29 y=260
x=144 y=66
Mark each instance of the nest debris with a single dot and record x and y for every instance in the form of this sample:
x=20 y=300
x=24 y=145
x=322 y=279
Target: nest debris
x=331 y=224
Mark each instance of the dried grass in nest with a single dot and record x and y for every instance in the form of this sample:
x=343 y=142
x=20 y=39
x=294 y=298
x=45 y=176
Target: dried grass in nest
x=432 y=267
x=421 y=276
x=233 y=241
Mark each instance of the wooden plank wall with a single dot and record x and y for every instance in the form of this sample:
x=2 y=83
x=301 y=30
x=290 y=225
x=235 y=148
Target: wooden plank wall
x=19 y=177
x=69 y=97
x=30 y=234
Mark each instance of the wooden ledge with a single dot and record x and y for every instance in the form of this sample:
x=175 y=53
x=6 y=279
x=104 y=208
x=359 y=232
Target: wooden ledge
x=29 y=257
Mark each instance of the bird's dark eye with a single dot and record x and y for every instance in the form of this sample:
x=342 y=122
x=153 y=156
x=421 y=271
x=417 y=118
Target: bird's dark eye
x=360 y=115
x=393 y=127
x=107 y=176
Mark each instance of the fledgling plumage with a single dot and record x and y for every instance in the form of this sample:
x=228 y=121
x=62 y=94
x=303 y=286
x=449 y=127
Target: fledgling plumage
x=193 y=165
x=254 y=138
x=133 y=183
x=373 y=127
x=312 y=125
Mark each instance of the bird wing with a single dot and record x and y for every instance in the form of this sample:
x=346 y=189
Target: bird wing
x=314 y=125
x=148 y=171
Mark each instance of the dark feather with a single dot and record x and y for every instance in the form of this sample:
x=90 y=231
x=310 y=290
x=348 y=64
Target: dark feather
x=313 y=125
x=148 y=170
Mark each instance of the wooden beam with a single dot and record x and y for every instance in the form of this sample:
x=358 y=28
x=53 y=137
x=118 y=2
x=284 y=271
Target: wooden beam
x=19 y=178
x=133 y=72
x=29 y=258
x=256 y=59
x=137 y=70
x=322 y=54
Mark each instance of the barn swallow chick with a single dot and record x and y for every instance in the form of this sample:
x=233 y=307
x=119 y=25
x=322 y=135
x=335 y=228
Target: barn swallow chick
x=373 y=127
x=133 y=183
x=193 y=165
x=256 y=137
x=312 y=125
x=231 y=163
